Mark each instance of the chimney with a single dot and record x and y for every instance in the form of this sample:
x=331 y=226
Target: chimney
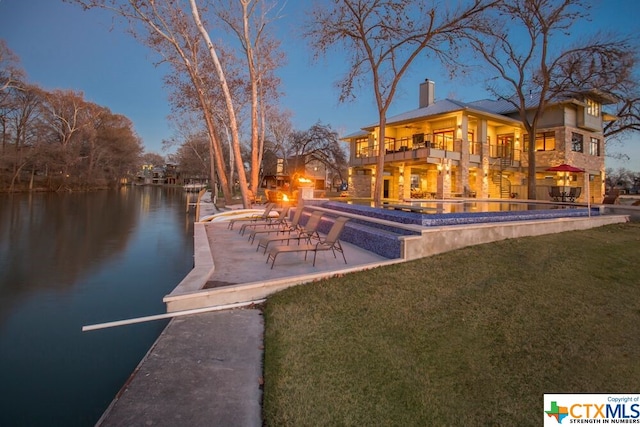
x=427 y=89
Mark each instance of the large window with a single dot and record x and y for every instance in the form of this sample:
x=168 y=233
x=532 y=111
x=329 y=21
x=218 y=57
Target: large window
x=594 y=147
x=362 y=147
x=577 y=142
x=505 y=145
x=443 y=140
x=593 y=108
x=545 y=141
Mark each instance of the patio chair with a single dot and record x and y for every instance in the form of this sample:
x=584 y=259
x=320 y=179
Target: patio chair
x=555 y=194
x=307 y=232
x=574 y=193
x=269 y=222
x=257 y=217
x=330 y=243
x=285 y=226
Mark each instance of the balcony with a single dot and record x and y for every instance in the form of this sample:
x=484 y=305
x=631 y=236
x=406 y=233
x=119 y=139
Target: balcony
x=406 y=150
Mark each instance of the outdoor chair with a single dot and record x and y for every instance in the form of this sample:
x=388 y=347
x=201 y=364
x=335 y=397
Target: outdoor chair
x=574 y=193
x=257 y=217
x=307 y=232
x=611 y=198
x=285 y=226
x=330 y=243
x=269 y=222
x=555 y=194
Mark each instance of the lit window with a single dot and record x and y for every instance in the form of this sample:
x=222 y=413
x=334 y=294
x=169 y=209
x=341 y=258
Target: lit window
x=594 y=147
x=362 y=147
x=545 y=141
x=576 y=142
x=593 y=108
x=443 y=140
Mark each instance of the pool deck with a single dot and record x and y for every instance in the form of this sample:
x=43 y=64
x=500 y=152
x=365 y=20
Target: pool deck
x=206 y=369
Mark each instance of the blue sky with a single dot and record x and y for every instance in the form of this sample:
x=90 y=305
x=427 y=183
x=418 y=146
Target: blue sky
x=63 y=47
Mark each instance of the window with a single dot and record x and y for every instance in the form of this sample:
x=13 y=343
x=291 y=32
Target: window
x=443 y=140
x=362 y=147
x=593 y=108
x=545 y=141
x=576 y=142
x=505 y=145
x=594 y=147
x=389 y=144
x=418 y=139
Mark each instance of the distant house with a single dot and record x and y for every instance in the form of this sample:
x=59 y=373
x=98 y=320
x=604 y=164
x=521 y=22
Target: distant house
x=450 y=148
x=279 y=173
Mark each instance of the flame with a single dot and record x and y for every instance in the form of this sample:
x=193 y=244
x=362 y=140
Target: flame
x=285 y=198
x=303 y=179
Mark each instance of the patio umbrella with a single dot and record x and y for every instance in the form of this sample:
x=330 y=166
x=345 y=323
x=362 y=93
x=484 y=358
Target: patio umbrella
x=572 y=169
x=565 y=168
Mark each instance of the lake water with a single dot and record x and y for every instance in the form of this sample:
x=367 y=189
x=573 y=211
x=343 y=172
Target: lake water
x=69 y=260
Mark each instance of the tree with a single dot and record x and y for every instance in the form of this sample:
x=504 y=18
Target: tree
x=167 y=29
x=524 y=45
x=191 y=157
x=154 y=159
x=384 y=37
x=250 y=25
x=11 y=74
x=117 y=149
x=318 y=143
x=627 y=113
x=20 y=117
x=60 y=136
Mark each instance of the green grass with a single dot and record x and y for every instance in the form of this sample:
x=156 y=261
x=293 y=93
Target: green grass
x=471 y=337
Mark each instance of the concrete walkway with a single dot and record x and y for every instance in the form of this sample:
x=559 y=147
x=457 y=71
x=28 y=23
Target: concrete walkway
x=204 y=370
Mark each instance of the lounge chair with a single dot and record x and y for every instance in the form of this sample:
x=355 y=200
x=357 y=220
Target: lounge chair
x=611 y=198
x=257 y=217
x=307 y=232
x=330 y=243
x=286 y=227
x=269 y=222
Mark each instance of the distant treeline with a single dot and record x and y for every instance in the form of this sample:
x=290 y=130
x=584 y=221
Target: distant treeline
x=56 y=140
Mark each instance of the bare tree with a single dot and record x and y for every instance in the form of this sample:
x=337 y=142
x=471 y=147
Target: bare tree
x=318 y=143
x=249 y=20
x=11 y=74
x=178 y=38
x=522 y=46
x=384 y=37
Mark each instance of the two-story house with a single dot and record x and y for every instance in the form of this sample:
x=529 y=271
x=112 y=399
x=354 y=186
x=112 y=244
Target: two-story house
x=449 y=148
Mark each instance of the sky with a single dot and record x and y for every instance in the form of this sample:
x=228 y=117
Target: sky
x=60 y=46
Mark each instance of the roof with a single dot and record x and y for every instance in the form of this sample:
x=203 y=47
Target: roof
x=437 y=108
x=500 y=109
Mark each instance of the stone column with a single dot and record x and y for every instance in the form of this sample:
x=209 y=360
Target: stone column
x=483 y=136
x=463 y=167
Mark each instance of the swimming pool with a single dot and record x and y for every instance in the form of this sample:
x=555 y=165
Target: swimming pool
x=456 y=212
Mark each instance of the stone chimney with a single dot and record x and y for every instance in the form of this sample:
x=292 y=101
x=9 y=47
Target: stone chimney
x=427 y=89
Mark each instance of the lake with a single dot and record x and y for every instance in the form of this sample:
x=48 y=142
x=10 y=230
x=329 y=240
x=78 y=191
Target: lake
x=69 y=260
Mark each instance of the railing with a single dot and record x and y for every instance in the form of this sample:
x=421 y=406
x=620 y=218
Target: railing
x=504 y=152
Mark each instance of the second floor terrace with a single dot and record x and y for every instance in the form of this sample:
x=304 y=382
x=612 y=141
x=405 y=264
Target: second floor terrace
x=421 y=147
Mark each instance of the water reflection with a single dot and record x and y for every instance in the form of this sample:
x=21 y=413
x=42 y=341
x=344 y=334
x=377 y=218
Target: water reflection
x=67 y=260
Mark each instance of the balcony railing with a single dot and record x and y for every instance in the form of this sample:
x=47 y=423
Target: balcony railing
x=406 y=149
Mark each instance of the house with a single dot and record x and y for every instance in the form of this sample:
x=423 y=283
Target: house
x=449 y=148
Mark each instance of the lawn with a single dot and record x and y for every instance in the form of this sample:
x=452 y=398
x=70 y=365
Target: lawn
x=471 y=337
